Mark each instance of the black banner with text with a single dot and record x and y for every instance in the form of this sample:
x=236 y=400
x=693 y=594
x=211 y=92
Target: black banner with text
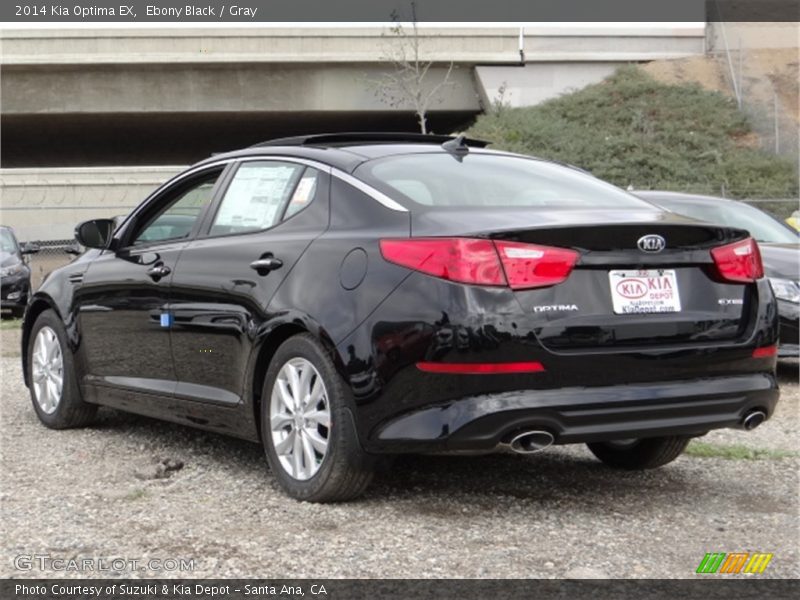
x=440 y=11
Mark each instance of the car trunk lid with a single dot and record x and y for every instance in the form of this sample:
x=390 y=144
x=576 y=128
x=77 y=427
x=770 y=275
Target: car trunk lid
x=620 y=293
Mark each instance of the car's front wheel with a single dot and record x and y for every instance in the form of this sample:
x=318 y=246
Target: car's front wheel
x=53 y=385
x=308 y=428
x=646 y=453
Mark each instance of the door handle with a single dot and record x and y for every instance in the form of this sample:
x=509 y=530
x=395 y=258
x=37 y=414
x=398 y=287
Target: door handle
x=159 y=271
x=265 y=265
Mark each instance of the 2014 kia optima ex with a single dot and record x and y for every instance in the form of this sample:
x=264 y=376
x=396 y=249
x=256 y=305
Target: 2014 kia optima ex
x=339 y=297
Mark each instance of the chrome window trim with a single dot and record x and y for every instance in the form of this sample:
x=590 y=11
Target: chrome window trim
x=290 y=159
x=370 y=191
x=224 y=162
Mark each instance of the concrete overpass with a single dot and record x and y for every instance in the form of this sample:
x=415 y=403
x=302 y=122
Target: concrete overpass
x=74 y=100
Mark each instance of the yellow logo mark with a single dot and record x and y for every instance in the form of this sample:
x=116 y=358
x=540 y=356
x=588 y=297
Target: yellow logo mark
x=758 y=562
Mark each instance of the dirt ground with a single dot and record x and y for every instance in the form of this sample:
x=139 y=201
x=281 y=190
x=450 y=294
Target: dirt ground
x=99 y=493
x=764 y=59
x=764 y=70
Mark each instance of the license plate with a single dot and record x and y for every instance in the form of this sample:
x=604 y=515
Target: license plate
x=647 y=291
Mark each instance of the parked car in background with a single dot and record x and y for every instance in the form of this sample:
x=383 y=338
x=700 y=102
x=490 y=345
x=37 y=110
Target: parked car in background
x=337 y=297
x=779 y=243
x=15 y=274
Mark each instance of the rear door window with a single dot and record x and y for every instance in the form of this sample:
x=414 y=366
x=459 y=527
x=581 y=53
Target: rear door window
x=304 y=192
x=258 y=195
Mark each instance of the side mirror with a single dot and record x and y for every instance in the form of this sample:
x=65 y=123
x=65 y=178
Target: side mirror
x=95 y=233
x=28 y=248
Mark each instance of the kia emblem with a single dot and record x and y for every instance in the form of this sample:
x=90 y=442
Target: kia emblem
x=651 y=243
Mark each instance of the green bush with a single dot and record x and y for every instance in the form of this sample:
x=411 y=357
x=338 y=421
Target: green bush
x=633 y=130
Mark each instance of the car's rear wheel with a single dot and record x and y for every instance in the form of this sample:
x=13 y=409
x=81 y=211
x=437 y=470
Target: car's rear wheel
x=307 y=426
x=646 y=453
x=53 y=385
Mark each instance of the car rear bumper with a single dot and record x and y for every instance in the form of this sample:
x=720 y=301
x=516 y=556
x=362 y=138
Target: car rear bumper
x=572 y=415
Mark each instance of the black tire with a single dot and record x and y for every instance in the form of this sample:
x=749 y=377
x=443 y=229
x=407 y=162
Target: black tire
x=70 y=411
x=345 y=470
x=647 y=453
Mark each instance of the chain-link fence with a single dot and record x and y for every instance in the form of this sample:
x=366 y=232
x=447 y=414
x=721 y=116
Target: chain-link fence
x=52 y=254
x=764 y=81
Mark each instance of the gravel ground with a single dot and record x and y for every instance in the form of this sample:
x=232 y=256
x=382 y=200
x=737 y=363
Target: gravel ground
x=140 y=489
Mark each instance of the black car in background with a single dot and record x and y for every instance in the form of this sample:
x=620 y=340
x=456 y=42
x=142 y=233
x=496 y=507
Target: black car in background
x=338 y=297
x=15 y=274
x=779 y=244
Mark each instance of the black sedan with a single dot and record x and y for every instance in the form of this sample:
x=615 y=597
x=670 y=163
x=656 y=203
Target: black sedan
x=15 y=274
x=779 y=244
x=339 y=297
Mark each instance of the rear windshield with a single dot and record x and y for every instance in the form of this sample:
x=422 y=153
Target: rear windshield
x=486 y=180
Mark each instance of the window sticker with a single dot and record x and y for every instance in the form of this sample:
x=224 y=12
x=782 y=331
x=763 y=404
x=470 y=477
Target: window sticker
x=255 y=196
x=304 y=193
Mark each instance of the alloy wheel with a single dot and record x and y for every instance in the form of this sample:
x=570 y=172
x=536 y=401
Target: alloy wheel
x=47 y=364
x=300 y=418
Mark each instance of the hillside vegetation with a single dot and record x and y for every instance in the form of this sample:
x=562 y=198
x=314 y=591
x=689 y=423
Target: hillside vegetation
x=633 y=130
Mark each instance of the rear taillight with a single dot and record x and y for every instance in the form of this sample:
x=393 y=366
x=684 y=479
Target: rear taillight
x=455 y=259
x=483 y=262
x=739 y=262
x=765 y=351
x=531 y=266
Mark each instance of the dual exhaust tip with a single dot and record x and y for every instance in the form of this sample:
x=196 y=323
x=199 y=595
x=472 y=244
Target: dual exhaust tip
x=532 y=441
x=536 y=440
x=753 y=419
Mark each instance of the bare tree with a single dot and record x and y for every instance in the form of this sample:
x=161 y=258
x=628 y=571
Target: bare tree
x=410 y=81
x=500 y=103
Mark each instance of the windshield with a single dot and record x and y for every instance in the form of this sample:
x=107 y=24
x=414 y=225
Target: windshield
x=735 y=214
x=486 y=180
x=7 y=243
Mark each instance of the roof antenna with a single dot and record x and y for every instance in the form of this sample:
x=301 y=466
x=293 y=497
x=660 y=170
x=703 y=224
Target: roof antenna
x=457 y=147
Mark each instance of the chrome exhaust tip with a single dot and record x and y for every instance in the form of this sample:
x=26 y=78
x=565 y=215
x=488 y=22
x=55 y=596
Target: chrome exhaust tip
x=753 y=419
x=529 y=442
